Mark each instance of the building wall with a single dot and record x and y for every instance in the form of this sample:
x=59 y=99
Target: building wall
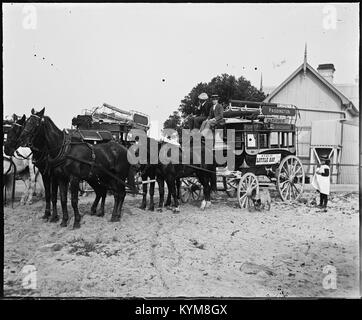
x=350 y=154
x=307 y=92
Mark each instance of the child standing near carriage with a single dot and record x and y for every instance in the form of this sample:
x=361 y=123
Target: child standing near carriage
x=321 y=182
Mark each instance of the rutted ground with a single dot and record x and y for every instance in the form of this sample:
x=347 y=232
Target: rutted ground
x=222 y=251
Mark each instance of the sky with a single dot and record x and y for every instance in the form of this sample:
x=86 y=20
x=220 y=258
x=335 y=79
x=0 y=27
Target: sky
x=147 y=57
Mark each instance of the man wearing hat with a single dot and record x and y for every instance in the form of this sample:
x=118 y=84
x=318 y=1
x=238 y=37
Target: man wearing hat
x=202 y=112
x=216 y=114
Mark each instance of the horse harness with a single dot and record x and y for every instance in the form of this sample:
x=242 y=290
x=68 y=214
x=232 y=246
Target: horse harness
x=62 y=155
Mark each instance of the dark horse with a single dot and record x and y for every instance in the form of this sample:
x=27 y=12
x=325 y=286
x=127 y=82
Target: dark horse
x=172 y=172
x=40 y=160
x=103 y=166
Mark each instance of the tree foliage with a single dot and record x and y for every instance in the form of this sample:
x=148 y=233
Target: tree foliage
x=226 y=86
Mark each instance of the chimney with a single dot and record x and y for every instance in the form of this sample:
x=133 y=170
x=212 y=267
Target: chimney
x=326 y=70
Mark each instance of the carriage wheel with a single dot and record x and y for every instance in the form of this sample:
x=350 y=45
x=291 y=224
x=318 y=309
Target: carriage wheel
x=190 y=187
x=230 y=186
x=290 y=178
x=248 y=182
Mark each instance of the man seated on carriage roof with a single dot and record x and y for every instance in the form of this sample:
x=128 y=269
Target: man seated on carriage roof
x=216 y=114
x=201 y=113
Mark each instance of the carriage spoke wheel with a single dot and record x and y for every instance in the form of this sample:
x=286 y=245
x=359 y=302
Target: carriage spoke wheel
x=290 y=178
x=248 y=182
x=230 y=186
x=190 y=187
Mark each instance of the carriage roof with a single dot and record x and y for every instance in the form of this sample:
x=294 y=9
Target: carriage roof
x=112 y=118
x=263 y=116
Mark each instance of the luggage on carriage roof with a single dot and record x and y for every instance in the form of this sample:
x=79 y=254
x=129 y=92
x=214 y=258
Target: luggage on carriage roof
x=91 y=135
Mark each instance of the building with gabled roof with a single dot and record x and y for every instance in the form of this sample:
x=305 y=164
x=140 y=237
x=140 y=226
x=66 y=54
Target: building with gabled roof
x=328 y=121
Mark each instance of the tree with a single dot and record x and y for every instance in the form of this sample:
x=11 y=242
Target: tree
x=173 y=122
x=226 y=86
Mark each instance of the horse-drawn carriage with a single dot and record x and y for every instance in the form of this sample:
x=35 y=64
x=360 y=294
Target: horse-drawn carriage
x=105 y=123
x=264 y=146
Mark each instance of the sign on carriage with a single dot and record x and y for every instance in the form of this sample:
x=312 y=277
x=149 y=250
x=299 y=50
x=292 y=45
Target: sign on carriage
x=262 y=159
x=277 y=111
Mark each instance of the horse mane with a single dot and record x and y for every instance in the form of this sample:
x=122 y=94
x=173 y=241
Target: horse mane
x=51 y=123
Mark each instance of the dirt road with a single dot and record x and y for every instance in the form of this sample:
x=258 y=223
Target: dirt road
x=222 y=251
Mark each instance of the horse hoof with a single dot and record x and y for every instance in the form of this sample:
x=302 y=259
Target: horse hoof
x=168 y=208
x=159 y=210
x=46 y=216
x=76 y=225
x=115 y=219
x=100 y=214
x=176 y=210
x=203 y=205
x=151 y=209
x=93 y=213
x=63 y=224
x=208 y=204
x=54 y=219
x=142 y=207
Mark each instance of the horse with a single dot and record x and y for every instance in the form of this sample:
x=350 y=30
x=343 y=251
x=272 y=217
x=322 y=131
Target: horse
x=171 y=173
x=40 y=159
x=103 y=166
x=18 y=164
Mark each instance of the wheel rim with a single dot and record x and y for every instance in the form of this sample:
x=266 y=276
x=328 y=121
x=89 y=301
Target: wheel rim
x=231 y=186
x=195 y=188
x=247 y=184
x=185 y=190
x=290 y=180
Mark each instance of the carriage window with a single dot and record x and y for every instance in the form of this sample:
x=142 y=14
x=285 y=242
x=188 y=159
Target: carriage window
x=291 y=139
x=263 y=141
x=274 y=140
x=284 y=143
x=238 y=140
x=251 y=140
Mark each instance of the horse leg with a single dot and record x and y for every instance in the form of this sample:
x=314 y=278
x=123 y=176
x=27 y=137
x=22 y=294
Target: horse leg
x=32 y=178
x=122 y=195
x=63 y=186
x=26 y=192
x=74 y=188
x=115 y=216
x=144 y=192
x=202 y=181
x=161 y=190
x=46 y=182
x=208 y=186
x=96 y=201
x=103 y=195
x=171 y=183
x=54 y=197
x=168 y=200
x=178 y=188
x=152 y=192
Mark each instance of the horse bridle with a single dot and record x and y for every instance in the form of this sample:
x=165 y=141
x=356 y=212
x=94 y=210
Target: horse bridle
x=30 y=144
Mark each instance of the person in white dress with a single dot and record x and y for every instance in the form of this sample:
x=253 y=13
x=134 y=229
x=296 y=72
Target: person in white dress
x=321 y=182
